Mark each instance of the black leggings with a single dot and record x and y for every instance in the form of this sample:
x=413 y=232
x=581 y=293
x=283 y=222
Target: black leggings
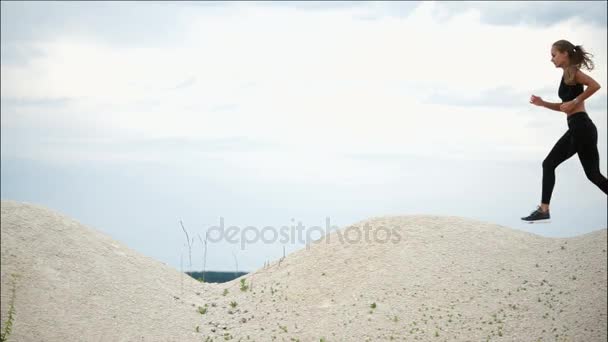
x=580 y=138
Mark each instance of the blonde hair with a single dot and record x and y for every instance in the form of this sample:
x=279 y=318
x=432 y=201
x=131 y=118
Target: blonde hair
x=578 y=58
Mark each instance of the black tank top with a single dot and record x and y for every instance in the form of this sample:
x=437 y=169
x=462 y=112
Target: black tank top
x=569 y=92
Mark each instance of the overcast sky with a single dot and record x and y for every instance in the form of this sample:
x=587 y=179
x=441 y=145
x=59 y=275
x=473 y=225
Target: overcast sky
x=132 y=116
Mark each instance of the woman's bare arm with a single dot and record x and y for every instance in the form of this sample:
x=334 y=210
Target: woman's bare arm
x=551 y=105
x=581 y=78
x=592 y=85
x=538 y=101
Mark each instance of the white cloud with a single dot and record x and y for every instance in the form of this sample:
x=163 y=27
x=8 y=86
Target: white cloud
x=324 y=82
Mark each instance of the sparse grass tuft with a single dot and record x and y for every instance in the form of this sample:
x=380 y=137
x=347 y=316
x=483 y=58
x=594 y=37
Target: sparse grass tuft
x=244 y=286
x=8 y=325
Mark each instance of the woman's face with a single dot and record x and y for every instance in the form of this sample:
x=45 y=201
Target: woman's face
x=559 y=59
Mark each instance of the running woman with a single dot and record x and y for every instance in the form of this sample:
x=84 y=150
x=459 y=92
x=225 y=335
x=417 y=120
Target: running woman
x=581 y=136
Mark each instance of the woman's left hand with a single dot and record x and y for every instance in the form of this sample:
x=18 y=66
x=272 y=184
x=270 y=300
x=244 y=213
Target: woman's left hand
x=567 y=106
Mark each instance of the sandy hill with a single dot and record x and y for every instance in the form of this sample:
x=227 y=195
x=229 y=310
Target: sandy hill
x=422 y=278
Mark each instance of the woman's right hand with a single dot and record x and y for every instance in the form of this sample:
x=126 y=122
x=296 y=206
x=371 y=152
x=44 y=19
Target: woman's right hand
x=536 y=100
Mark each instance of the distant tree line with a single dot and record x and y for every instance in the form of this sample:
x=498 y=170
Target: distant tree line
x=215 y=276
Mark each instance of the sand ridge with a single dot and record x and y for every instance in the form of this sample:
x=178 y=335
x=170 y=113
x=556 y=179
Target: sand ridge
x=447 y=279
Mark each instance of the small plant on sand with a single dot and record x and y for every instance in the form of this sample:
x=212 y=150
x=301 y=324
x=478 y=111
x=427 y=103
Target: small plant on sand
x=8 y=325
x=202 y=310
x=244 y=286
x=233 y=305
x=373 y=305
x=225 y=292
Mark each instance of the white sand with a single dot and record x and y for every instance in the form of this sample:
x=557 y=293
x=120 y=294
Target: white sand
x=448 y=279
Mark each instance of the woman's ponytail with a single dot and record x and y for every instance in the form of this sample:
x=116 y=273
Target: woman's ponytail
x=581 y=58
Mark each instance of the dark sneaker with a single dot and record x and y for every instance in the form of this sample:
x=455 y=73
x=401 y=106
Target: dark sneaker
x=538 y=216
